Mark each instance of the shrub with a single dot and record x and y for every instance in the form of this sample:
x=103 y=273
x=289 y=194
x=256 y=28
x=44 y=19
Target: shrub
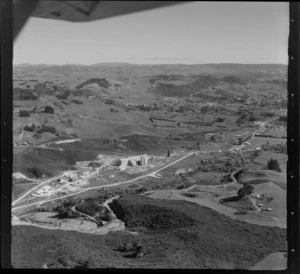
x=273 y=165
x=102 y=82
x=49 y=109
x=24 y=113
x=245 y=190
x=219 y=120
x=109 y=101
x=34 y=171
x=108 y=217
x=267 y=114
x=114 y=110
x=90 y=207
x=63 y=95
x=24 y=94
x=65 y=102
x=128 y=246
x=188 y=194
x=120 y=146
x=78 y=102
x=65 y=213
x=30 y=128
x=144 y=107
x=47 y=129
x=94 y=164
x=283 y=118
x=257 y=152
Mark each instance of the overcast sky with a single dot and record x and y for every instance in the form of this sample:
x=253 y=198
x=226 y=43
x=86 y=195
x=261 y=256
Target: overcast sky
x=191 y=33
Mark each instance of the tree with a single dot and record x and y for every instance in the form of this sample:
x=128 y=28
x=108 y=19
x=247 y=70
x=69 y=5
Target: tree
x=24 y=113
x=245 y=190
x=219 y=120
x=30 y=128
x=49 y=109
x=274 y=165
x=34 y=171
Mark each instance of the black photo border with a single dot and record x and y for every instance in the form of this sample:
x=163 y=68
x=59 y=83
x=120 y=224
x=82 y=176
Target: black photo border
x=293 y=164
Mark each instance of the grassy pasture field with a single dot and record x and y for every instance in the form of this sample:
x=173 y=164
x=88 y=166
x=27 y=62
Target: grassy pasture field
x=18 y=190
x=264 y=157
x=183 y=223
x=257 y=177
x=259 y=141
x=276 y=132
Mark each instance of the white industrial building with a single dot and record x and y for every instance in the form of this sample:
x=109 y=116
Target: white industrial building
x=141 y=160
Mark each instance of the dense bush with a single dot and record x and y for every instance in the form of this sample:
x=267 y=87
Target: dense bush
x=136 y=247
x=233 y=80
x=30 y=128
x=273 y=165
x=67 y=213
x=94 y=164
x=49 y=109
x=245 y=190
x=252 y=118
x=65 y=102
x=64 y=93
x=281 y=148
x=78 y=102
x=24 y=94
x=256 y=153
x=219 y=120
x=44 y=89
x=24 y=113
x=144 y=107
x=109 y=101
x=90 y=208
x=114 y=110
x=120 y=146
x=126 y=247
x=64 y=209
x=35 y=172
x=267 y=114
x=47 y=129
x=189 y=194
x=283 y=118
x=102 y=82
x=62 y=96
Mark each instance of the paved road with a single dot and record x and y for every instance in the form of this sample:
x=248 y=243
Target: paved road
x=97 y=187
x=152 y=174
x=35 y=188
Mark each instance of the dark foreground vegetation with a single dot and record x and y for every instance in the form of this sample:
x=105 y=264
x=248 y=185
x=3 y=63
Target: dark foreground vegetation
x=172 y=234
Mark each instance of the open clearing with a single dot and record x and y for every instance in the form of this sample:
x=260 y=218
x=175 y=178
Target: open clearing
x=207 y=197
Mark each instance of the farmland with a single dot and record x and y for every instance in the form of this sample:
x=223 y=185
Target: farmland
x=143 y=166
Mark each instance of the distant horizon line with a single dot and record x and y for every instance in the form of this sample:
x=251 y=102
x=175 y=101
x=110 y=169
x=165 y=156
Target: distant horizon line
x=157 y=64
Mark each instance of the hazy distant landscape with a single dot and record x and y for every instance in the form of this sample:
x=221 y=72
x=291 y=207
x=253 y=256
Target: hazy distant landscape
x=119 y=165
